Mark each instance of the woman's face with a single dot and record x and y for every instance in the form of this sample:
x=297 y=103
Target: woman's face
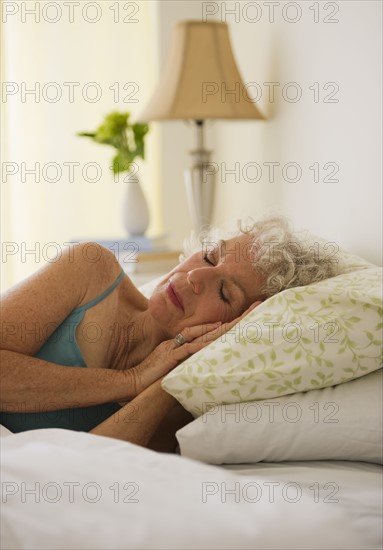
x=216 y=284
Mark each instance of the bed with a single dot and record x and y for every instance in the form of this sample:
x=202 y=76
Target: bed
x=69 y=490
x=298 y=466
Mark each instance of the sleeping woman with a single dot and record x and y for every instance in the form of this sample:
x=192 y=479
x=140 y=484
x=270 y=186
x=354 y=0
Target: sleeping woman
x=83 y=349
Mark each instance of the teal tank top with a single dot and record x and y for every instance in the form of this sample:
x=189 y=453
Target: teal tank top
x=62 y=348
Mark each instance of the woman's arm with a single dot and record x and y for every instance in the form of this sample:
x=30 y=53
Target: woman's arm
x=31 y=311
x=164 y=440
x=139 y=420
x=33 y=384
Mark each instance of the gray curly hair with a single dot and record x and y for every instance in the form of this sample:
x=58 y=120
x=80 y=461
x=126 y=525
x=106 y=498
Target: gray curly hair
x=284 y=258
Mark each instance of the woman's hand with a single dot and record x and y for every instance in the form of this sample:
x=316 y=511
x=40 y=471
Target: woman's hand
x=168 y=355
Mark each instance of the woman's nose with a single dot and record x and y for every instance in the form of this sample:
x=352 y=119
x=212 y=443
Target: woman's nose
x=198 y=278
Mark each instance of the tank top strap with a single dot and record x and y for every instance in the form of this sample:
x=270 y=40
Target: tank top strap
x=101 y=296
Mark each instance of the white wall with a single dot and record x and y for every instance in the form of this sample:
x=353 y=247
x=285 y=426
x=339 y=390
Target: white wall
x=97 y=45
x=346 y=133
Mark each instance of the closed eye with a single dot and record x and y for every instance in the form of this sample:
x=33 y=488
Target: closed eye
x=207 y=260
x=221 y=293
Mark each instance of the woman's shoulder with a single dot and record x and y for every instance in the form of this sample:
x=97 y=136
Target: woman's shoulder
x=95 y=265
x=82 y=273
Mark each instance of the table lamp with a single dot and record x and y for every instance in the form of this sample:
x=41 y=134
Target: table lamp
x=200 y=81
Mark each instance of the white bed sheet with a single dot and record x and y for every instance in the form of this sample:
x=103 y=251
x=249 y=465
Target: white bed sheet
x=80 y=482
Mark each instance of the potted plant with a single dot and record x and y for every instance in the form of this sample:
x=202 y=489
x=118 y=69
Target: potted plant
x=129 y=141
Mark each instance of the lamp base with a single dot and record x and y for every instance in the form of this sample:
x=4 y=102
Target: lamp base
x=200 y=188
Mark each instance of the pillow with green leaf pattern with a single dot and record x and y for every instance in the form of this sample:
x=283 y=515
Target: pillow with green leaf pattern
x=303 y=338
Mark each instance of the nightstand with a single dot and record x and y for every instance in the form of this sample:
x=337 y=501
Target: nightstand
x=142 y=258
x=148 y=265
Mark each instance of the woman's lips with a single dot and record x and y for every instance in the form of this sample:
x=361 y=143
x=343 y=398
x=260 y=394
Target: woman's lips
x=174 y=297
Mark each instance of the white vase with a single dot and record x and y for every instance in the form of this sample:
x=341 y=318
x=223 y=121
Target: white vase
x=135 y=209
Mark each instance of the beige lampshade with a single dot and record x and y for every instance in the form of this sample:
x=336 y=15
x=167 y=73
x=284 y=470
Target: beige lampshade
x=200 y=79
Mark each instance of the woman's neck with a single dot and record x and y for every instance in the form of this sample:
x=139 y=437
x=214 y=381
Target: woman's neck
x=136 y=333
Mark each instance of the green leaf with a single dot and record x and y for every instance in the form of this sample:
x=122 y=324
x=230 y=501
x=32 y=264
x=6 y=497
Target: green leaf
x=128 y=139
x=122 y=161
x=86 y=134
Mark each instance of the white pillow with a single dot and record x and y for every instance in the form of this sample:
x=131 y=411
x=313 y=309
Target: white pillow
x=351 y=262
x=337 y=423
x=304 y=338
